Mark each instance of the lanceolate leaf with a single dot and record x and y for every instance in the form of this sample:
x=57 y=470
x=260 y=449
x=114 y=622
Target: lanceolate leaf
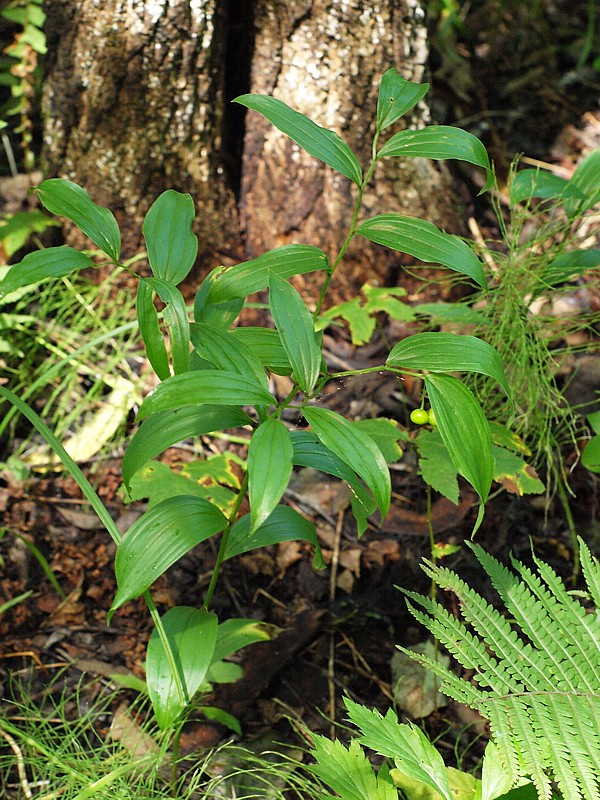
x=283 y=525
x=176 y=319
x=219 y=315
x=54 y=262
x=356 y=449
x=566 y=266
x=530 y=183
x=158 y=539
x=396 y=97
x=266 y=345
x=424 y=241
x=167 y=229
x=69 y=200
x=297 y=331
x=448 y=352
x=464 y=430
x=321 y=143
x=192 y=634
x=440 y=142
x=147 y=318
x=269 y=468
x=227 y=352
x=166 y=428
x=585 y=178
x=235 y=633
x=204 y=386
x=253 y=276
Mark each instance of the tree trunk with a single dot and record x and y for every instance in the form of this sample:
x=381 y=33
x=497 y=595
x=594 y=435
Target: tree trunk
x=133 y=105
x=137 y=100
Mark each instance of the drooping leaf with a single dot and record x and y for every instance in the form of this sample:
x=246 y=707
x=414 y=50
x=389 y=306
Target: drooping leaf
x=448 y=352
x=158 y=539
x=529 y=183
x=192 y=633
x=69 y=200
x=147 y=317
x=424 y=241
x=440 y=142
x=54 y=262
x=204 y=386
x=266 y=345
x=269 y=469
x=235 y=633
x=356 y=449
x=319 y=142
x=464 y=430
x=227 y=352
x=167 y=428
x=172 y=246
x=396 y=97
x=284 y=524
x=436 y=466
x=297 y=332
x=253 y=276
x=176 y=320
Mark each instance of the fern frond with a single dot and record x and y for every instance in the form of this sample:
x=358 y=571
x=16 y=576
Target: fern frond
x=539 y=683
x=591 y=571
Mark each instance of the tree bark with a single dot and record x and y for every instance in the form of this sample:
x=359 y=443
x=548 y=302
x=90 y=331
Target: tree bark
x=133 y=105
x=324 y=59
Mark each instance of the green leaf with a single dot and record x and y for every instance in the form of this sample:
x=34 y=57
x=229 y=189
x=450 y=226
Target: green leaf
x=222 y=717
x=158 y=539
x=442 y=313
x=495 y=782
x=590 y=458
x=424 y=241
x=192 y=633
x=176 y=319
x=154 y=341
x=69 y=200
x=396 y=97
x=566 y=266
x=413 y=753
x=253 y=276
x=440 y=142
x=172 y=246
x=16 y=229
x=218 y=315
x=319 y=142
x=465 y=432
x=266 y=345
x=448 y=352
x=348 y=771
x=514 y=474
x=593 y=420
x=54 y=262
x=269 y=469
x=386 y=433
x=225 y=351
x=529 y=183
x=586 y=179
x=167 y=428
x=504 y=437
x=297 y=331
x=283 y=525
x=436 y=466
x=235 y=633
x=356 y=449
x=360 y=314
x=204 y=386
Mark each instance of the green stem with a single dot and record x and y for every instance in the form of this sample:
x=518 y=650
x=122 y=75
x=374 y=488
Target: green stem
x=223 y=544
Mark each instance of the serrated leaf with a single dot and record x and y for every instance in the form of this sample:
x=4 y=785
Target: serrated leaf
x=282 y=525
x=297 y=332
x=514 y=474
x=356 y=449
x=177 y=322
x=386 y=433
x=266 y=345
x=348 y=771
x=319 y=142
x=465 y=432
x=396 y=97
x=269 y=469
x=360 y=314
x=192 y=634
x=495 y=782
x=436 y=466
x=54 y=262
x=424 y=241
x=158 y=539
x=440 y=142
x=167 y=428
x=204 y=386
x=69 y=200
x=172 y=246
x=147 y=317
x=227 y=352
x=448 y=352
x=253 y=276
